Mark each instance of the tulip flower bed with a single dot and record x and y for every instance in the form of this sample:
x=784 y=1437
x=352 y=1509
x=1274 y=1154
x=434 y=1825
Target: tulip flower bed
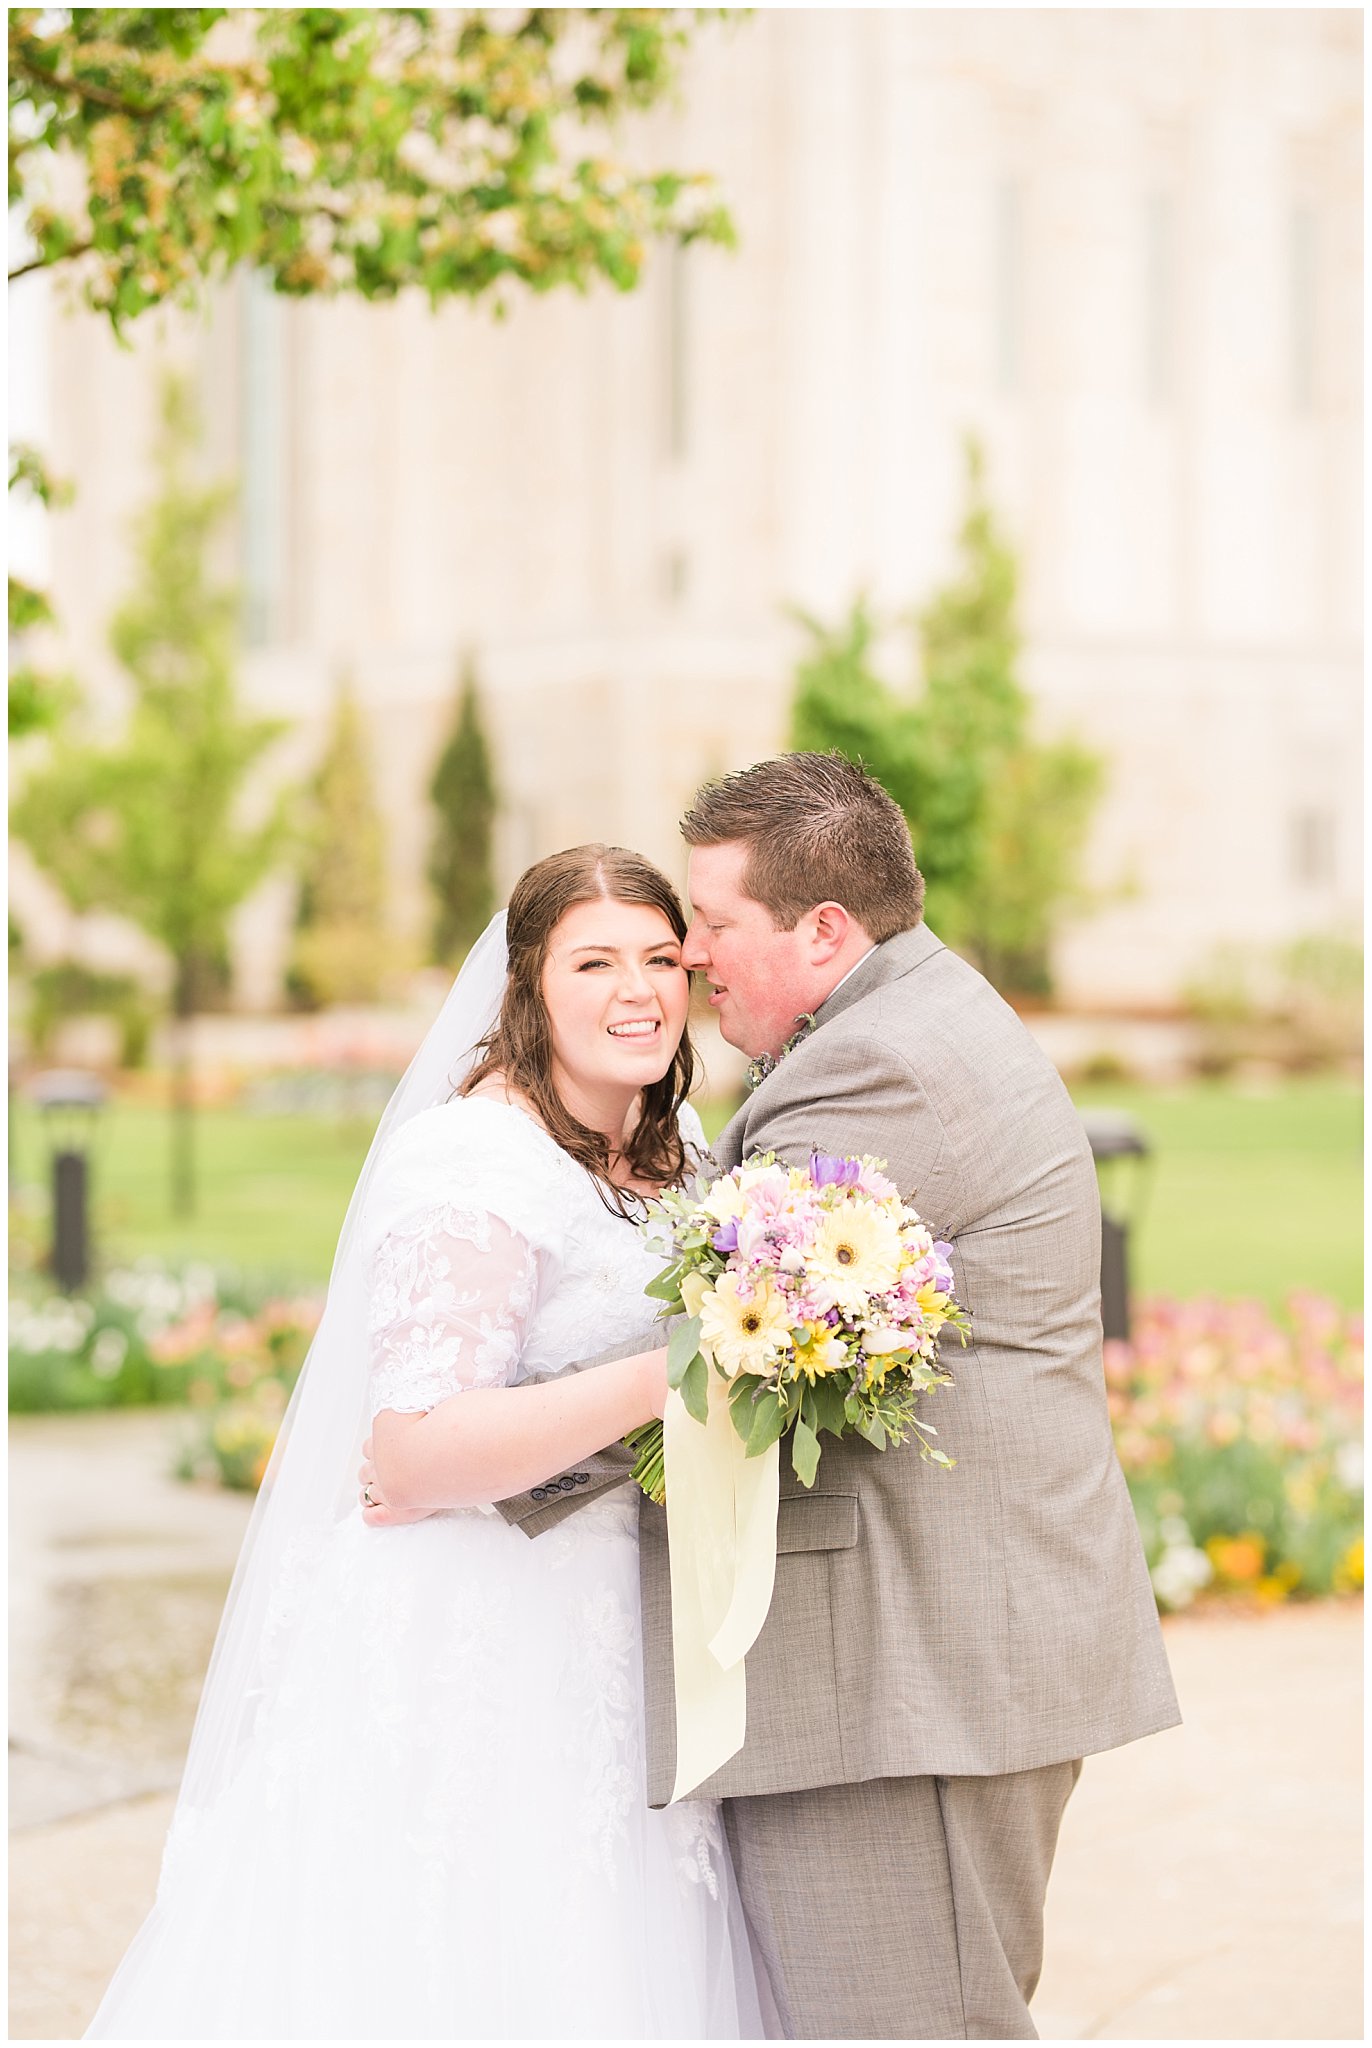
x=1240 y=1434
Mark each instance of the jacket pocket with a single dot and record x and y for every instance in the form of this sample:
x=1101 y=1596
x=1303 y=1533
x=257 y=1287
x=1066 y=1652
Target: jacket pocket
x=817 y=1521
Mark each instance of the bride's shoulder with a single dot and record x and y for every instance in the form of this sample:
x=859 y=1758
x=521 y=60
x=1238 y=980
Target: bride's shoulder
x=474 y=1155
x=478 y=1128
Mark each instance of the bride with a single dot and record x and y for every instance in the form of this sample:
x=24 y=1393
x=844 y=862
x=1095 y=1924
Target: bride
x=414 y=1805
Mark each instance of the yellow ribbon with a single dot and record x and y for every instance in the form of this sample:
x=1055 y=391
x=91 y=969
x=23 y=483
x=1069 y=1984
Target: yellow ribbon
x=722 y=1543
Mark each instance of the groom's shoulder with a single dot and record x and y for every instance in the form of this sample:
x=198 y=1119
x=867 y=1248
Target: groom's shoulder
x=916 y=989
x=927 y=1012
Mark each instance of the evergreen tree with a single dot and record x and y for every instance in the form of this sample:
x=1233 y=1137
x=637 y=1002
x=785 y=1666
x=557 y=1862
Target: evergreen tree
x=998 y=820
x=148 y=825
x=461 y=861
x=341 y=951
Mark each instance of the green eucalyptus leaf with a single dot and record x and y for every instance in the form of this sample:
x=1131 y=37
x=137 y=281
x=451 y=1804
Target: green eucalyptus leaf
x=769 y=1419
x=804 y=1452
x=683 y=1348
x=694 y=1388
x=828 y=1410
x=873 y=1428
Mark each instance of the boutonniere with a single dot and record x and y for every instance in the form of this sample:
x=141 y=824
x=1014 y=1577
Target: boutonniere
x=766 y=1063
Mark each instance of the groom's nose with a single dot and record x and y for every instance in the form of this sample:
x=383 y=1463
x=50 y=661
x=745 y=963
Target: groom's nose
x=695 y=954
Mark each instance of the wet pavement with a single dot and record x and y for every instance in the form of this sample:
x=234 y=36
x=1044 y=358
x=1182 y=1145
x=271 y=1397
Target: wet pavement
x=1207 y=1884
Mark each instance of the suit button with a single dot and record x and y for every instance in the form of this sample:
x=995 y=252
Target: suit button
x=568 y=1485
x=539 y=1493
x=581 y=1478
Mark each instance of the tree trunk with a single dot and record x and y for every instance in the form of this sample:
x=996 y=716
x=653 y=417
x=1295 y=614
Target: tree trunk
x=182 y=1094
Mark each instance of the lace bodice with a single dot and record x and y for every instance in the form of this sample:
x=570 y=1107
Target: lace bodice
x=492 y=1257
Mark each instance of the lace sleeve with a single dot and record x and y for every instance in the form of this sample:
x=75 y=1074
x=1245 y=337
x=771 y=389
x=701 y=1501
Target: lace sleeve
x=453 y=1290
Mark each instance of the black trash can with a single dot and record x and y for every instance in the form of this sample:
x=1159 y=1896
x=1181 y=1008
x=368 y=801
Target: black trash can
x=1115 y=1137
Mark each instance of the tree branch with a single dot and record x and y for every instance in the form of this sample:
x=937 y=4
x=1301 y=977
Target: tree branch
x=99 y=95
x=49 y=262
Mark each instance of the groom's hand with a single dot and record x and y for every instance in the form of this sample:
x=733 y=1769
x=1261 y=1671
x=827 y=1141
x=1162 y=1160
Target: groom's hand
x=375 y=1512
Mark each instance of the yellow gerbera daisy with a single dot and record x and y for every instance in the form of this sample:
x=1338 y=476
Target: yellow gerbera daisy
x=857 y=1254
x=743 y=1335
x=822 y=1352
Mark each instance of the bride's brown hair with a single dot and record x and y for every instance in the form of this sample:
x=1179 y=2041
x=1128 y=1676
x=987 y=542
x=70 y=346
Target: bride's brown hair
x=520 y=1045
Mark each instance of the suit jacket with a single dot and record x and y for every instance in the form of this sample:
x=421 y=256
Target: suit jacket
x=985 y=1620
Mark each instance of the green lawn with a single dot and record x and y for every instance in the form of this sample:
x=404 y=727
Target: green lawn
x=1247 y=1194
x=272 y=1189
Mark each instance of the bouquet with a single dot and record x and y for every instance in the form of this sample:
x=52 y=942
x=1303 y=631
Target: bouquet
x=816 y=1293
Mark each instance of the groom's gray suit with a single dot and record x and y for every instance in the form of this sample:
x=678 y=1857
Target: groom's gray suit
x=943 y=1647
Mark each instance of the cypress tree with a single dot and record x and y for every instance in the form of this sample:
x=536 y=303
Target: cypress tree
x=341 y=949
x=461 y=859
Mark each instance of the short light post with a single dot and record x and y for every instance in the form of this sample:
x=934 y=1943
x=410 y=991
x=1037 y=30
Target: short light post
x=1116 y=1138
x=70 y=1102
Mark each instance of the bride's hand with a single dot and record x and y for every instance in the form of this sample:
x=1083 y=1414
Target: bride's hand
x=375 y=1512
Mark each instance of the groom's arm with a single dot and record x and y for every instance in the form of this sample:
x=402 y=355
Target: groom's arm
x=550 y=1503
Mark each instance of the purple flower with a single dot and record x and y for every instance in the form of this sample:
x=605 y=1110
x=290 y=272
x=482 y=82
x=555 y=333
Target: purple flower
x=829 y=1171
x=725 y=1238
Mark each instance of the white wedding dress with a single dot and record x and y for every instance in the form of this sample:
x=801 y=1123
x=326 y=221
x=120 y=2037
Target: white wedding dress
x=439 y=1830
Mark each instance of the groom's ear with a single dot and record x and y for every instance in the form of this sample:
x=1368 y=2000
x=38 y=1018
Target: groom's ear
x=829 y=925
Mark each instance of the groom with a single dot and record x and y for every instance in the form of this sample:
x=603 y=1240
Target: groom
x=943 y=1647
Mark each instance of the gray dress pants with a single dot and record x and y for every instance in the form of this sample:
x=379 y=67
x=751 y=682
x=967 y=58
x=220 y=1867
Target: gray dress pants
x=903 y=1909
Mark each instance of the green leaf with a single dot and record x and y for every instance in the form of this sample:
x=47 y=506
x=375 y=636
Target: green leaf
x=694 y=1388
x=828 y=1408
x=804 y=1452
x=665 y=1286
x=683 y=1348
x=741 y=1396
x=769 y=1419
x=872 y=1427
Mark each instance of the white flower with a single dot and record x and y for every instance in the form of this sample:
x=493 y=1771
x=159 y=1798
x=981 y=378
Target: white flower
x=1180 y=1573
x=108 y=1353
x=857 y=1254
x=877 y=1343
x=724 y=1199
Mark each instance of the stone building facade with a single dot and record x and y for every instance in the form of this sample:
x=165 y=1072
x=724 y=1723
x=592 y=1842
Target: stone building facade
x=1122 y=247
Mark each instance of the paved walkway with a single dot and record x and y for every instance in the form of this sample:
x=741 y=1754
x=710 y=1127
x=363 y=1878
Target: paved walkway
x=1207 y=1884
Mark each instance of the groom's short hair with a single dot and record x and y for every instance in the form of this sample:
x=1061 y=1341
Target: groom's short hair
x=818 y=829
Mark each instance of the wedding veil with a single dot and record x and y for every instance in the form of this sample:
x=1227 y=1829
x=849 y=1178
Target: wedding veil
x=311 y=1481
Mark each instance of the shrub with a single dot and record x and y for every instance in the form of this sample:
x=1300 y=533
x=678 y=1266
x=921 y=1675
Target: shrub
x=227 y=1352
x=1298 y=1006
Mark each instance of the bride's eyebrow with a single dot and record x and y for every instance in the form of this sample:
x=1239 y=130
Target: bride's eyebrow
x=656 y=947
